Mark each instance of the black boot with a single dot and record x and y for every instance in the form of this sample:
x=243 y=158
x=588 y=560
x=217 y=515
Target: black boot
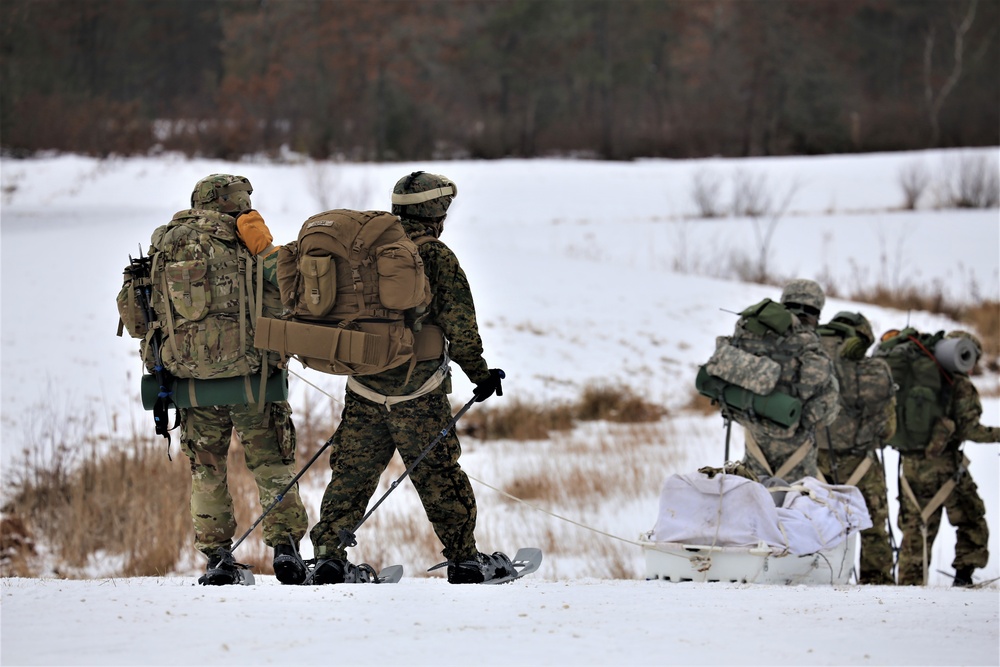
x=963 y=577
x=334 y=571
x=289 y=567
x=221 y=570
x=480 y=569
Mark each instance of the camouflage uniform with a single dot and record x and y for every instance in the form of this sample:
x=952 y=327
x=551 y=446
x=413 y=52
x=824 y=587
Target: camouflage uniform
x=369 y=432
x=927 y=474
x=269 y=450
x=867 y=418
x=806 y=372
x=268 y=435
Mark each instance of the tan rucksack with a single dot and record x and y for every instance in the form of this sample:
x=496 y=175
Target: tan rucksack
x=351 y=285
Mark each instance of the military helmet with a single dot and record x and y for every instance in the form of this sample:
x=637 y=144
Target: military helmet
x=222 y=192
x=423 y=196
x=806 y=295
x=958 y=333
x=862 y=327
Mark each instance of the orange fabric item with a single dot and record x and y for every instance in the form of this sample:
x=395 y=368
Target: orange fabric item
x=253 y=231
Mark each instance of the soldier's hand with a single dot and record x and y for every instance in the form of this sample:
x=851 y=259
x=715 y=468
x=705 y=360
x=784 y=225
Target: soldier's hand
x=853 y=348
x=492 y=384
x=941 y=432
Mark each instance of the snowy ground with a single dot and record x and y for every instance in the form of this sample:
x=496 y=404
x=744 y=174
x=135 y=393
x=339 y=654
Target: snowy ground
x=583 y=272
x=426 y=622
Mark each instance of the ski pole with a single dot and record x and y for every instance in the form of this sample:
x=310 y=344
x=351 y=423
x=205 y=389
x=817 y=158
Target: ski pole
x=281 y=496
x=348 y=538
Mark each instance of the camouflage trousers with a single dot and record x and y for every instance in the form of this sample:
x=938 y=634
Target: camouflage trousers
x=966 y=512
x=876 y=549
x=362 y=447
x=777 y=452
x=269 y=449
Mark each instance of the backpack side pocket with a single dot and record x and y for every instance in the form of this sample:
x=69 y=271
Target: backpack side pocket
x=187 y=285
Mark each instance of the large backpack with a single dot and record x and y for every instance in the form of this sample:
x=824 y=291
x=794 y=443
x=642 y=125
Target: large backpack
x=353 y=287
x=866 y=390
x=781 y=372
x=206 y=294
x=923 y=386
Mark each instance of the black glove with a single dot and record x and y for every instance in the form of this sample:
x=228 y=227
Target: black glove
x=491 y=384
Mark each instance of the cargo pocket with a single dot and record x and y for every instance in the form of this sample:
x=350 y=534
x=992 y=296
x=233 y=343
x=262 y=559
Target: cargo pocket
x=401 y=278
x=319 y=284
x=919 y=413
x=187 y=285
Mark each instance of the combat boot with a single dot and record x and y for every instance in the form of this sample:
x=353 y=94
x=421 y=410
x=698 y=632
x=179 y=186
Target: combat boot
x=480 y=569
x=221 y=570
x=963 y=577
x=289 y=567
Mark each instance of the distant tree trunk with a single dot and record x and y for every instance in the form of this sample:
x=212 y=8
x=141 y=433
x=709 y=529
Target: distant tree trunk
x=935 y=100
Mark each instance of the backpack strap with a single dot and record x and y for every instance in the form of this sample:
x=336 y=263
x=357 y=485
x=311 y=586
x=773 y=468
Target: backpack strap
x=797 y=456
x=164 y=291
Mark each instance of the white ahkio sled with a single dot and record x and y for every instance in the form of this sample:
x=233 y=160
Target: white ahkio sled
x=727 y=528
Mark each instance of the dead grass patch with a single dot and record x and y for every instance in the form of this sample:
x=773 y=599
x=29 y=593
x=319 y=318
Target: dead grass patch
x=521 y=420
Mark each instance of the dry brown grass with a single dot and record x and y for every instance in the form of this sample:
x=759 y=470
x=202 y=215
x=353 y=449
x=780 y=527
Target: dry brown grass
x=115 y=502
x=521 y=420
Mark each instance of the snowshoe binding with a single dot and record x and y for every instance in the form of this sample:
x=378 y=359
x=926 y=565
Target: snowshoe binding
x=223 y=570
x=336 y=571
x=497 y=568
x=289 y=567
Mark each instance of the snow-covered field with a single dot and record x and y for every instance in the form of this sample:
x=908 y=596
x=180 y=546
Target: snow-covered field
x=583 y=272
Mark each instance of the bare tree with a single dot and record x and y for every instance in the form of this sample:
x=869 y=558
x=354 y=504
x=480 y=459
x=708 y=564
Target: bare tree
x=705 y=188
x=765 y=215
x=935 y=100
x=913 y=178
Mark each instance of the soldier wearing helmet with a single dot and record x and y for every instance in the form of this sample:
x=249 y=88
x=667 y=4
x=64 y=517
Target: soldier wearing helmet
x=209 y=342
x=806 y=373
x=943 y=465
x=370 y=431
x=805 y=298
x=848 y=447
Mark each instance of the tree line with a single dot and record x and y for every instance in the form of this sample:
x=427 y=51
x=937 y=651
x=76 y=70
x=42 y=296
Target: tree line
x=421 y=79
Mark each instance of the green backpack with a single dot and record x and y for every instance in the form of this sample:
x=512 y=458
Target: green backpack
x=923 y=386
x=866 y=389
x=753 y=374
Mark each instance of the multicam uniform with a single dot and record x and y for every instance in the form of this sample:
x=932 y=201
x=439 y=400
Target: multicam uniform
x=848 y=446
x=926 y=475
x=267 y=434
x=370 y=431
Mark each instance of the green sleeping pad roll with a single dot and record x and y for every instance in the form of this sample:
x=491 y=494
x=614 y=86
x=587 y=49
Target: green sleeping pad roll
x=777 y=406
x=188 y=393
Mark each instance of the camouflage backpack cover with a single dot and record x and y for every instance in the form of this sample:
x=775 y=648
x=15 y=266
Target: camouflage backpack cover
x=779 y=364
x=866 y=390
x=923 y=385
x=207 y=293
x=352 y=286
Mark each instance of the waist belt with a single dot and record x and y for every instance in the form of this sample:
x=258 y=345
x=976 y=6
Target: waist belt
x=432 y=383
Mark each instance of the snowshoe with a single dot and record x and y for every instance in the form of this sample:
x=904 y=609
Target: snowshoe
x=481 y=569
x=334 y=571
x=289 y=567
x=222 y=570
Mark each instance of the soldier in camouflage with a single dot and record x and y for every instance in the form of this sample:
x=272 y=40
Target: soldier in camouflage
x=405 y=410
x=848 y=448
x=943 y=463
x=267 y=432
x=783 y=453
